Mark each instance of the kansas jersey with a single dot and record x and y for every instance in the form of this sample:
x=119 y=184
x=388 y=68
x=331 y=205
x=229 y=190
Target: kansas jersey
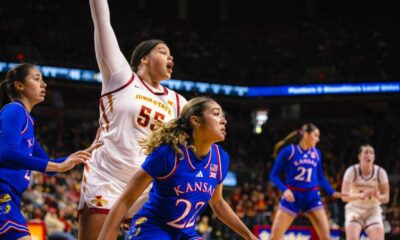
x=19 y=152
x=359 y=183
x=181 y=188
x=303 y=169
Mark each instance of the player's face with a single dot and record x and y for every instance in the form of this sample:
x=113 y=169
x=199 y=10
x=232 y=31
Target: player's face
x=34 y=88
x=160 y=62
x=312 y=138
x=367 y=155
x=213 y=124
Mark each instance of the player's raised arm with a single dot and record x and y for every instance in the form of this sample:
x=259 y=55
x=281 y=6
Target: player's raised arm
x=108 y=54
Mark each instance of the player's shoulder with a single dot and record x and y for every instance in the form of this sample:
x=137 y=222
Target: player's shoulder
x=175 y=94
x=163 y=149
x=317 y=150
x=290 y=149
x=379 y=168
x=13 y=107
x=353 y=166
x=220 y=149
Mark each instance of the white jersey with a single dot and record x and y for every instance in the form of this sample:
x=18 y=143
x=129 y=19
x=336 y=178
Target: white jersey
x=129 y=111
x=127 y=115
x=359 y=183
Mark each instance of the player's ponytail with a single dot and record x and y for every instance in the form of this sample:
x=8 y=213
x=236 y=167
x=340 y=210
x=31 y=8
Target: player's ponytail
x=293 y=137
x=178 y=131
x=17 y=73
x=4 y=99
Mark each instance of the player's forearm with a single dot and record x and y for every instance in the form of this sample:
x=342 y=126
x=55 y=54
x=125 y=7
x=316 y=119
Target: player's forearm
x=352 y=197
x=14 y=158
x=100 y=13
x=225 y=213
x=275 y=179
x=383 y=198
x=111 y=225
x=53 y=167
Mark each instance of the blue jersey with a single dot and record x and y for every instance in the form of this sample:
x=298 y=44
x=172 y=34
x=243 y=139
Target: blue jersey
x=303 y=169
x=19 y=151
x=19 y=154
x=181 y=188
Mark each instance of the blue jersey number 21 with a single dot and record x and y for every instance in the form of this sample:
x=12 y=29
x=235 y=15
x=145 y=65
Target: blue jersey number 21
x=304 y=174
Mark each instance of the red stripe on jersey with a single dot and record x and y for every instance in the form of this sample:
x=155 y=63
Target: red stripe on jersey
x=28 y=117
x=173 y=170
x=219 y=162
x=209 y=160
x=110 y=102
x=26 y=127
x=291 y=155
x=298 y=148
x=188 y=159
x=118 y=89
x=165 y=92
x=178 y=105
x=103 y=114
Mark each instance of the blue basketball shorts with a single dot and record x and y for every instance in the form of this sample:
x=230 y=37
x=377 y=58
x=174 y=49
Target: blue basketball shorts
x=305 y=201
x=144 y=228
x=12 y=222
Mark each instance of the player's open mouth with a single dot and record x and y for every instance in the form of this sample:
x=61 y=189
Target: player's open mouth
x=170 y=66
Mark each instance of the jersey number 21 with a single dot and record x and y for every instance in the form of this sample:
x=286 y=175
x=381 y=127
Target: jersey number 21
x=304 y=174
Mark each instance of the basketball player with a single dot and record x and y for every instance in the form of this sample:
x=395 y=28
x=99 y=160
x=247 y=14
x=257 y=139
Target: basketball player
x=368 y=187
x=20 y=153
x=302 y=163
x=131 y=104
x=187 y=169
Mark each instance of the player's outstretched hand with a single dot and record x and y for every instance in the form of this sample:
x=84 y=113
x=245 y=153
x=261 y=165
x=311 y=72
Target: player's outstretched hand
x=78 y=157
x=96 y=143
x=288 y=195
x=74 y=159
x=339 y=195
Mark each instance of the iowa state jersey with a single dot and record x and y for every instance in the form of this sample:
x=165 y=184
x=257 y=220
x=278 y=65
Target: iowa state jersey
x=182 y=188
x=303 y=169
x=127 y=115
x=359 y=183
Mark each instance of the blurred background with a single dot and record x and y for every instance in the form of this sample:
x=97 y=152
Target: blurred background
x=251 y=43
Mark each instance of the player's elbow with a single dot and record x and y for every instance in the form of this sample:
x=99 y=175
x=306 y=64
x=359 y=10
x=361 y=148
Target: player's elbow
x=386 y=199
x=273 y=179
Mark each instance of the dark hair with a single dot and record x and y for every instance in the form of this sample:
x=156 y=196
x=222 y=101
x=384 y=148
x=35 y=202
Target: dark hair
x=294 y=137
x=177 y=131
x=364 y=146
x=17 y=73
x=141 y=51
